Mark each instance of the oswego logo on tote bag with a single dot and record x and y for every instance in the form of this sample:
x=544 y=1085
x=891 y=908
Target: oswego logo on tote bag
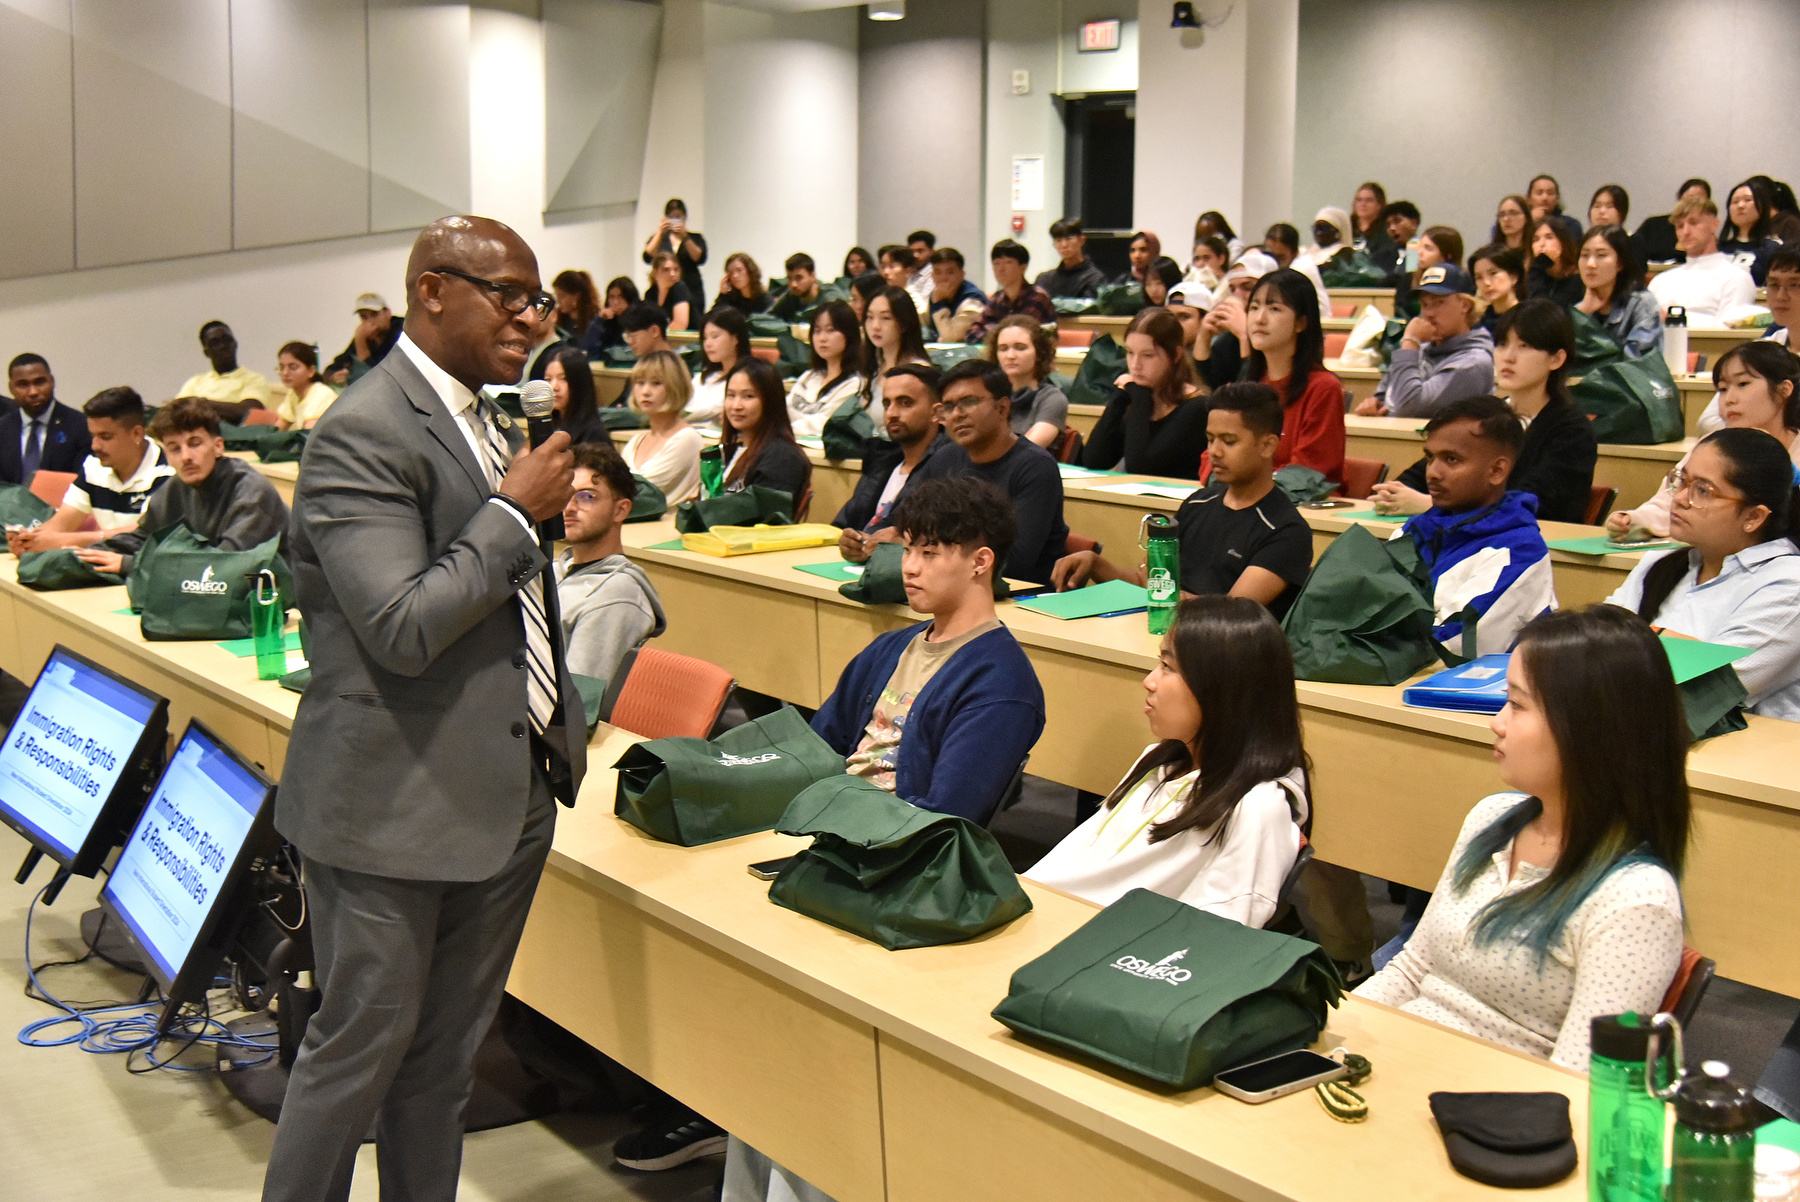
x=1163 y=970
x=206 y=584
x=740 y=761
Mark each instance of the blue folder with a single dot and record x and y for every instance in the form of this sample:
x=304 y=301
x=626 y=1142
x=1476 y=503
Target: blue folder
x=1477 y=687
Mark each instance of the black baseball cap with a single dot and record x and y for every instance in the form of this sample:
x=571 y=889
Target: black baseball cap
x=1442 y=279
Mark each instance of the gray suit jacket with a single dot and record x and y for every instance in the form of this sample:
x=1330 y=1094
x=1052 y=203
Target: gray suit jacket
x=410 y=755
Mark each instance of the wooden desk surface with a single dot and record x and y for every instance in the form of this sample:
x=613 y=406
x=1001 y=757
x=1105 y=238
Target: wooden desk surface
x=951 y=1077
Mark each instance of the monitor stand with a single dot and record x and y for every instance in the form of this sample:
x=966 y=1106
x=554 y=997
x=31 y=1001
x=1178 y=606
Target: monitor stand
x=109 y=942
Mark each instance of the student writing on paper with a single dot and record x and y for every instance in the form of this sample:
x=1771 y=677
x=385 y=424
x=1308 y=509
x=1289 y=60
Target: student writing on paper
x=942 y=713
x=1239 y=534
x=609 y=606
x=1480 y=540
x=1533 y=344
x=1759 y=389
x=1738 y=580
x=893 y=464
x=1559 y=901
x=1213 y=813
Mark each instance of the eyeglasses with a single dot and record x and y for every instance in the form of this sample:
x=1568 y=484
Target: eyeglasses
x=1700 y=493
x=586 y=496
x=968 y=404
x=514 y=298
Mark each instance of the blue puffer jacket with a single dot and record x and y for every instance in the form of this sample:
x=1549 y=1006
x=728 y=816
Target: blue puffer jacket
x=968 y=730
x=1493 y=559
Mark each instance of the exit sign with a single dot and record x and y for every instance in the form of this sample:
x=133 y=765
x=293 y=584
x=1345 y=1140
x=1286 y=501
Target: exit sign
x=1100 y=35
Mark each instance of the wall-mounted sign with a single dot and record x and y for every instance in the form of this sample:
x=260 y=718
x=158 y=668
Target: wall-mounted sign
x=1100 y=35
x=1028 y=182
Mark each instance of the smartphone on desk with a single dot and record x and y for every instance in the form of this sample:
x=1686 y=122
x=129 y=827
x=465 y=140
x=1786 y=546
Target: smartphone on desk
x=1266 y=1080
x=768 y=870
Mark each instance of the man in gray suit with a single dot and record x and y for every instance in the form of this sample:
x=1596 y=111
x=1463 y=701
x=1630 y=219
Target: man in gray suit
x=440 y=725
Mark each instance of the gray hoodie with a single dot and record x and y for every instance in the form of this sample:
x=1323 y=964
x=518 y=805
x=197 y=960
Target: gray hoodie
x=609 y=607
x=1420 y=383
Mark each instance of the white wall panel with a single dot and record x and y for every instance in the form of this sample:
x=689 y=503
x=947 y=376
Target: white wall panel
x=419 y=112
x=599 y=70
x=37 y=137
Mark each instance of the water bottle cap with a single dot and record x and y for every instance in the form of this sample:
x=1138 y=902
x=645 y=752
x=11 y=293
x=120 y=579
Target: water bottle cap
x=1621 y=1037
x=1716 y=1069
x=1712 y=1104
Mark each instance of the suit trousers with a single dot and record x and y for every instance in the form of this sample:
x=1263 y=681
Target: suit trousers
x=411 y=973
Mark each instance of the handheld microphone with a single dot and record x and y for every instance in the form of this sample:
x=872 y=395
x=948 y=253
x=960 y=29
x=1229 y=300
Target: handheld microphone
x=538 y=398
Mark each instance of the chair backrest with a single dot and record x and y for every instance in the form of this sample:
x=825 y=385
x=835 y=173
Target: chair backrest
x=49 y=487
x=261 y=417
x=805 y=504
x=767 y=354
x=1693 y=362
x=1335 y=342
x=1600 y=503
x=1689 y=986
x=1074 y=338
x=665 y=695
x=1343 y=308
x=1361 y=476
x=1067 y=447
x=1292 y=880
x=1080 y=542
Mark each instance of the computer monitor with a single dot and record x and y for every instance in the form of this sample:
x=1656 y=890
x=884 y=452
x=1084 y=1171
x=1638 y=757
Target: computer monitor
x=178 y=887
x=77 y=762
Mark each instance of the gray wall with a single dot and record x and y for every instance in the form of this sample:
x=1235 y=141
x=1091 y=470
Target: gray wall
x=186 y=127
x=1454 y=103
x=920 y=127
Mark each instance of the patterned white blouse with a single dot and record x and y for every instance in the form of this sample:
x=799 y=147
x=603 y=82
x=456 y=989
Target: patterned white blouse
x=1618 y=952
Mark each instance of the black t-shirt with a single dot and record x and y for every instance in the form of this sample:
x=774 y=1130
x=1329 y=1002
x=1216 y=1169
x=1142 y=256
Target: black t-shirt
x=1028 y=474
x=1218 y=543
x=678 y=295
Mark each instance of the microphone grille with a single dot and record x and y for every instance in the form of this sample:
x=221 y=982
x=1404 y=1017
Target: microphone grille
x=538 y=398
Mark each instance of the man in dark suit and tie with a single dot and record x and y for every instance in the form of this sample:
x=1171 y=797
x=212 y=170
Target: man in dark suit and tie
x=440 y=726
x=41 y=432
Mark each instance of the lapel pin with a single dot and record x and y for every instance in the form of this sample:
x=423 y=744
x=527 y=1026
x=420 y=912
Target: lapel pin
x=502 y=421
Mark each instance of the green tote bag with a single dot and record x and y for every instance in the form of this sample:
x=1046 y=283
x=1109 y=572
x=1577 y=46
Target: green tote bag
x=753 y=506
x=691 y=791
x=1102 y=365
x=1365 y=615
x=845 y=431
x=184 y=588
x=891 y=872
x=60 y=569
x=19 y=506
x=650 y=502
x=1172 y=993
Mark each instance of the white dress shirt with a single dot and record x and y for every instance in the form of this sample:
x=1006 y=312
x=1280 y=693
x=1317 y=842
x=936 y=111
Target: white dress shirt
x=455 y=398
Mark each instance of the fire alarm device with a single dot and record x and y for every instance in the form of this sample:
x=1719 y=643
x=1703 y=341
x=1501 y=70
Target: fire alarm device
x=1018 y=223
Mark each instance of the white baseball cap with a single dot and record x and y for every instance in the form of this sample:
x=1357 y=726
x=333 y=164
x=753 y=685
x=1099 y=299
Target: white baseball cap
x=370 y=302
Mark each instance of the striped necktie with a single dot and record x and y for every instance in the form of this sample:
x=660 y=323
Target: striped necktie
x=541 y=691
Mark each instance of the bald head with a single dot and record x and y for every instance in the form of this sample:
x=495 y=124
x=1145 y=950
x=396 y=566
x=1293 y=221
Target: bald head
x=463 y=324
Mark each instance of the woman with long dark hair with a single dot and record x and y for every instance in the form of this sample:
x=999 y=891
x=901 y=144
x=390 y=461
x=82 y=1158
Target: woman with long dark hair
x=756 y=441
x=1511 y=216
x=1499 y=274
x=1368 y=232
x=1287 y=352
x=1737 y=581
x=857 y=261
x=891 y=336
x=577 y=409
x=577 y=304
x=1611 y=205
x=305 y=397
x=1533 y=344
x=1155 y=424
x=1758 y=386
x=833 y=376
x=1560 y=900
x=605 y=330
x=1615 y=294
x=1746 y=233
x=1554 y=270
x=1212 y=814
x=724 y=343
x=741 y=287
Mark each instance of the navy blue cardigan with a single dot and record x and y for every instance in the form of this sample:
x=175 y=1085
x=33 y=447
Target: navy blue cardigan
x=967 y=732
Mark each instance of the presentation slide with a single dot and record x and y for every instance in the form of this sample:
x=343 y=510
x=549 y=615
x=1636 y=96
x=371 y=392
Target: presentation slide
x=176 y=861
x=65 y=752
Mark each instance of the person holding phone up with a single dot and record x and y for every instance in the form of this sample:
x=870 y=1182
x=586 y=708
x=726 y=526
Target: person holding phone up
x=689 y=248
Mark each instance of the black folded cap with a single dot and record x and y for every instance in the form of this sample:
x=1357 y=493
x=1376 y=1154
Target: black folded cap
x=1511 y=1140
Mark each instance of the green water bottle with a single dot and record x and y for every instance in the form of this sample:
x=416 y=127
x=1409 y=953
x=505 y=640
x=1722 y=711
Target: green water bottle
x=1162 y=557
x=712 y=471
x=1625 y=1120
x=267 y=617
x=1713 y=1153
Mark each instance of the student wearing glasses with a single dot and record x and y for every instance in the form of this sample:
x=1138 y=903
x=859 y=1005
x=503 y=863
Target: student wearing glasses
x=609 y=607
x=1737 y=581
x=1560 y=899
x=1758 y=384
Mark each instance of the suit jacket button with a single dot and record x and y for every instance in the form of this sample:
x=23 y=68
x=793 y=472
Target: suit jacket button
x=518 y=730
x=519 y=660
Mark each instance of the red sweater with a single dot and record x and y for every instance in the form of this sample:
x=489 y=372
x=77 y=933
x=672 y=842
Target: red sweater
x=1312 y=428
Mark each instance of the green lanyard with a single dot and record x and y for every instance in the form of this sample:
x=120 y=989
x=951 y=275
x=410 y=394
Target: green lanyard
x=1142 y=827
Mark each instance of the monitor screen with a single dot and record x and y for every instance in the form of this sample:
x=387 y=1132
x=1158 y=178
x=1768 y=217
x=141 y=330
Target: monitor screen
x=178 y=861
x=64 y=755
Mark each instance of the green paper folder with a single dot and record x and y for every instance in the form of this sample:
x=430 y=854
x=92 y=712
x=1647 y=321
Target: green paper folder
x=1380 y=517
x=1691 y=658
x=1601 y=545
x=673 y=544
x=1090 y=602
x=243 y=648
x=835 y=569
